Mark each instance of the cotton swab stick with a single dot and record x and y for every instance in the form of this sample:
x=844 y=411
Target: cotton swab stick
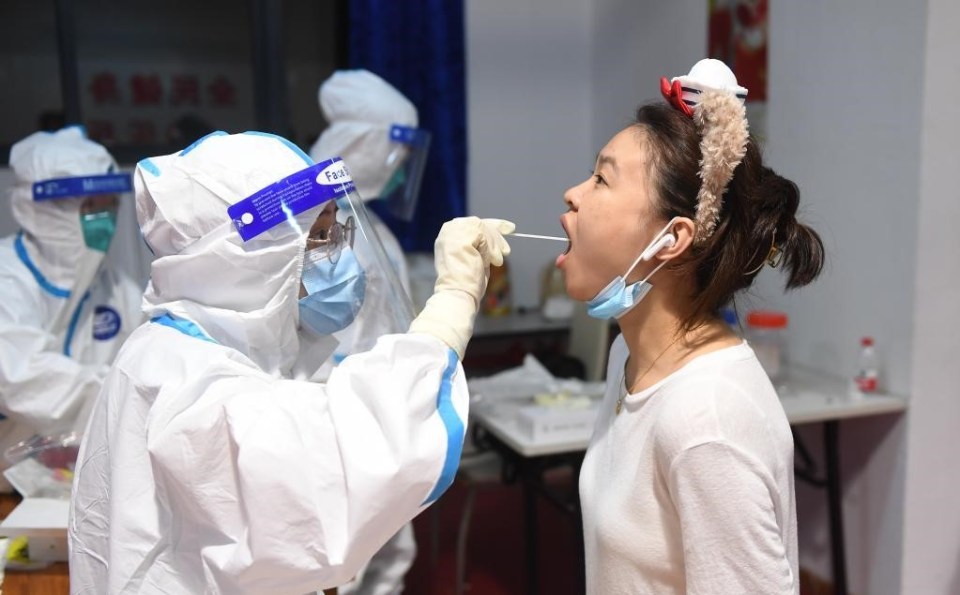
x=538 y=237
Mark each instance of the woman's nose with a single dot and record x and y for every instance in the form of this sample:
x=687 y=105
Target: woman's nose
x=571 y=198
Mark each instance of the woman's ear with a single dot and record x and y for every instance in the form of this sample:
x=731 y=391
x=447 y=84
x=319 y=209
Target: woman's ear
x=682 y=231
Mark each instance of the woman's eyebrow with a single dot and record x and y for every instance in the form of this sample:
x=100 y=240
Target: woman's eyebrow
x=602 y=159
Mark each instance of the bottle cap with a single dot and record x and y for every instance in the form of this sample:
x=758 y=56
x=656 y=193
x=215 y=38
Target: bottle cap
x=767 y=319
x=866 y=342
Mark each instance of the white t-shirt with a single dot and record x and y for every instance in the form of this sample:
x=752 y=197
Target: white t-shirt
x=690 y=488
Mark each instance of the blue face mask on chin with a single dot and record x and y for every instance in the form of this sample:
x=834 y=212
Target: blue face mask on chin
x=335 y=292
x=618 y=298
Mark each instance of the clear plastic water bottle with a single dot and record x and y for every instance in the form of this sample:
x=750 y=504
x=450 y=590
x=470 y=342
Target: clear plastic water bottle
x=868 y=368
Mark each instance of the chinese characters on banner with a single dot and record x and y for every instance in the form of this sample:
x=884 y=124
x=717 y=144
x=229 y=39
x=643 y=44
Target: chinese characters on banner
x=143 y=101
x=738 y=35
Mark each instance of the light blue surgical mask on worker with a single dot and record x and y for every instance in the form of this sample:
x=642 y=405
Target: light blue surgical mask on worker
x=98 y=229
x=335 y=291
x=618 y=298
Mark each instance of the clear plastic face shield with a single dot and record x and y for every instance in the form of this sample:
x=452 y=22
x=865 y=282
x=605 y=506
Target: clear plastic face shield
x=407 y=158
x=98 y=196
x=345 y=268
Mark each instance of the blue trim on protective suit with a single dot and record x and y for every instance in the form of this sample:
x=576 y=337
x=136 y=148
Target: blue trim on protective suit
x=74 y=320
x=37 y=275
x=149 y=167
x=454 y=427
x=197 y=142
x=306 y=158
x=184 y=326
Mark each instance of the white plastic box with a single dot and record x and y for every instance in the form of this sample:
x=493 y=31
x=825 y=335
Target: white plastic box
x=547 y=424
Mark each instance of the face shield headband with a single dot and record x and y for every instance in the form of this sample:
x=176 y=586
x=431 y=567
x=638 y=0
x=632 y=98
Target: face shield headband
x=79 y=186
x=333 y=282
x=99 y=223
x=279 y=202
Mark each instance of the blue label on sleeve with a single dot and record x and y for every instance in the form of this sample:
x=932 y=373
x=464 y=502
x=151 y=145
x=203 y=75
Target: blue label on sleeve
x=82 y=186
x=290 y=196
x=106 y=323
x=408 y=135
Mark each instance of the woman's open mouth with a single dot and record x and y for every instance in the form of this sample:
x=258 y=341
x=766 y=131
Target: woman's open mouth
x=563 y=256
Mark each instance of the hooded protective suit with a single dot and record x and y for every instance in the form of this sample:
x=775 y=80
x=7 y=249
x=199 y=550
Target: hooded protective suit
x=207 y=469
x=64 y=311
x=361 y=107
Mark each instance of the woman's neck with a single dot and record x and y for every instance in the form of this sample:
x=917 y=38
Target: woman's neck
x=658 y=343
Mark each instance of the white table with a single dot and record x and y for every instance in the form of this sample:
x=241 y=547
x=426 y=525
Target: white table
x=807 y=397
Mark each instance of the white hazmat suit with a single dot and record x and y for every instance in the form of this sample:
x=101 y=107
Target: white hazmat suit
x=205 y=468
x=64 y=310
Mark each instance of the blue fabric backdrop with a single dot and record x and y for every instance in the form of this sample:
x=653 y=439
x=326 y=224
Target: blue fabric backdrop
x=418 y=47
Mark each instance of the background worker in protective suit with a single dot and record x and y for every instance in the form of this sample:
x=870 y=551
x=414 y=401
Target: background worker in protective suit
x=206 y=468
x=373 y=127
x=64 y=310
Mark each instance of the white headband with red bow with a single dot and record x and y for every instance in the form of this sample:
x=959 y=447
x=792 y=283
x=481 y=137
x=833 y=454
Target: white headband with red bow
x=711 y=96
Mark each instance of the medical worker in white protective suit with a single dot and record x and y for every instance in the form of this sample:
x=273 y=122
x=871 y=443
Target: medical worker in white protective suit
x=373 y=127
x=206 y=468
x=64 y=311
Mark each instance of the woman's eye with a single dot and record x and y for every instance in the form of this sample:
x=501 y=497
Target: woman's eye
x=598 y=179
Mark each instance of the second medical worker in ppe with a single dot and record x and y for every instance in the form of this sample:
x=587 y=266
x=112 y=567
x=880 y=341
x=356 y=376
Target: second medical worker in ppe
x=64 y=311
x=205 y=468
x=373 y=127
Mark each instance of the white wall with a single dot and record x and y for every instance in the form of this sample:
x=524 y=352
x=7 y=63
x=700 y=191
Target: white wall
x=636 y=43
x=550 y=81
x=529 y=114
x=932 y=518
x=844 y=116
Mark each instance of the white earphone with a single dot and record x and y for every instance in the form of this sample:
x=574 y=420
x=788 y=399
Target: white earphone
x=667 y=240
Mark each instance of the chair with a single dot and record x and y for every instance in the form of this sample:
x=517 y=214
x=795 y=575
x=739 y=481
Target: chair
x=477 y=469
x=589 y=342
x=483 y=469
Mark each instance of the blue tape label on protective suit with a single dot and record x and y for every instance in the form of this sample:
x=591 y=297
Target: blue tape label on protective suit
x=82 y=186
x=290 y=196
x=408 y=135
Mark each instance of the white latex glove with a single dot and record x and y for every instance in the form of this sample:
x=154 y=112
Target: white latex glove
x=463 y=253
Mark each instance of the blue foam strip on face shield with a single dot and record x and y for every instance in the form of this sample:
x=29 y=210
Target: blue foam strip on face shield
x=455 y=430
x=82 y=186
x=408 y=135
x=273 y=205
